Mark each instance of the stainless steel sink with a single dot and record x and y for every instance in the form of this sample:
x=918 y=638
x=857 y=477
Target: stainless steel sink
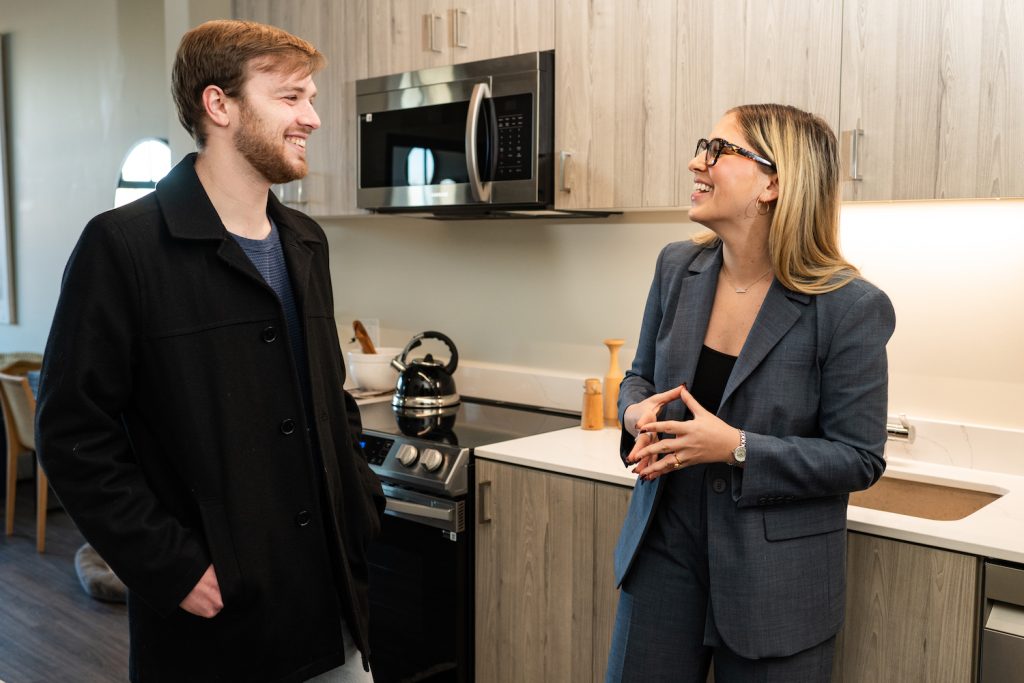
x=946 y=501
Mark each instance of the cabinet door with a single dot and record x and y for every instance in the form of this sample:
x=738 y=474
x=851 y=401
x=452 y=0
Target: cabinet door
x=911 y=614
x=615 y=113
x=611 y=503
x=408 y=34
x=938 y=90
x=734 y=52
x=534 y=575
x=481 y=29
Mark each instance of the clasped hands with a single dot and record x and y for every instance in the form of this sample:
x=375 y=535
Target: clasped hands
x=705 y=438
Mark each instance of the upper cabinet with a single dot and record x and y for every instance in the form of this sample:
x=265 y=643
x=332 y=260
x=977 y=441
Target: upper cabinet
x=415 y=34
x=927 y=97
x=615 y=104
x=734 y=52
x=933 y=99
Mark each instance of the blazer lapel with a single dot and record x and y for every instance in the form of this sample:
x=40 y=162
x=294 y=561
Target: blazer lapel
x=696 y=296
x=779 y=312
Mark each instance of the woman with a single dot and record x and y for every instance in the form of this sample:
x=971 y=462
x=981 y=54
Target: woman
x=755 y=404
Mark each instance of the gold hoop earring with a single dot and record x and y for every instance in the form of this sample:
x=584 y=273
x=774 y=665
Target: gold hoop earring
x=767 y=208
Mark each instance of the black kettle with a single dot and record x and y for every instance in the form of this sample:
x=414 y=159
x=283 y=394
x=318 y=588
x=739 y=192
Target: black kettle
x=425 y=382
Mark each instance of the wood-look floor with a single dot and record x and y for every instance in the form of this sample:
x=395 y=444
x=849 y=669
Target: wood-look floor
x=50 y=630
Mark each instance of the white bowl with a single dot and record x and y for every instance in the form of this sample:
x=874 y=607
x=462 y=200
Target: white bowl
x=373 y=371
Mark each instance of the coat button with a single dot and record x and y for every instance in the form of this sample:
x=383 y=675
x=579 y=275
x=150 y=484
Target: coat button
x=287 y=426
x=269 y=334
x=718 y=484
x=303 y=518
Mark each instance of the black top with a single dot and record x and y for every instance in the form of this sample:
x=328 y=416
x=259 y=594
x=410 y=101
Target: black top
x=710 y=377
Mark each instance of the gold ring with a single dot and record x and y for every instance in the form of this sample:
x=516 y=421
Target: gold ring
x=679 y=463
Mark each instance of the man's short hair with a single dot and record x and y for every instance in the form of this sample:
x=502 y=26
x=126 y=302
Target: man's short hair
x=221 y=53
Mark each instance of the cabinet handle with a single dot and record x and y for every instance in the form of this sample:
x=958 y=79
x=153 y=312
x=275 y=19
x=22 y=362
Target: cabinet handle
x=851 y=140
x=460 y=41
x=432 y=20
x=481 y=516
x=563 y=160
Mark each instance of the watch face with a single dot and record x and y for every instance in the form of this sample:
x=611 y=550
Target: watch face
x=740 y=454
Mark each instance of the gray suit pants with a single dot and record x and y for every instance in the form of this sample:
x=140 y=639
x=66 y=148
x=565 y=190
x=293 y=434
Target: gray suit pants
x=664 y=626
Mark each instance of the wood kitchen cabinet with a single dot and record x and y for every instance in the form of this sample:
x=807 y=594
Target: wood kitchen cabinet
x=615 y=88
x=734 y=52
x=911 y=614
x=938 y=90
x=416 y=34
x=545 y=596
x=639 y=83
x=338 y=29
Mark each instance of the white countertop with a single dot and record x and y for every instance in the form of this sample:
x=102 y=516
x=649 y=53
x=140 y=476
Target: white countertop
x=994 y=531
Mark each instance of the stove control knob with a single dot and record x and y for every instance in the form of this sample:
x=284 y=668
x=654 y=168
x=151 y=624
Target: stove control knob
x=407 y=454
x=432 y=459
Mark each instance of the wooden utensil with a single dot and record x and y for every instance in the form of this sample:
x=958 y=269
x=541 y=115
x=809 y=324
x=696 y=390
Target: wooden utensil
x=363 y=338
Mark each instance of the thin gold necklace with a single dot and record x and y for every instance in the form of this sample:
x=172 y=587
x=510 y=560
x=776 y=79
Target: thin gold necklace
x=743 y=290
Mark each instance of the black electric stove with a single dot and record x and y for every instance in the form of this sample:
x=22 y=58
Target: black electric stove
x=430 y=450
x=421 y=567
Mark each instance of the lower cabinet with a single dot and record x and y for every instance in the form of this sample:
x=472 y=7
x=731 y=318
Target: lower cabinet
x=911 y=614
x=545 y=595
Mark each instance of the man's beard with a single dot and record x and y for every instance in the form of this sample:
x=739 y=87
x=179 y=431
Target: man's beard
x=264 y=151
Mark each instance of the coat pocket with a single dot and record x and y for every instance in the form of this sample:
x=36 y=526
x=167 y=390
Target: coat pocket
x=222 y=552
x=805 y=518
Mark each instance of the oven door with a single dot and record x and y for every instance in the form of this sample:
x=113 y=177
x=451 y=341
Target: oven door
x=421 y=588
x=465 y=135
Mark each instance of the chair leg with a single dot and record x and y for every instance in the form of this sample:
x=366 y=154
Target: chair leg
x=12 y=481
x=42 y=493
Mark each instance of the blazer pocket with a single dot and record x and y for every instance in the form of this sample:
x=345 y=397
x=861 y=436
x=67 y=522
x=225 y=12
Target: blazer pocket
x=805 y=518
x=222 y=552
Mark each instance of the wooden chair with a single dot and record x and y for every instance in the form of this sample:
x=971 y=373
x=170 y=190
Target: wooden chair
x=19 y=409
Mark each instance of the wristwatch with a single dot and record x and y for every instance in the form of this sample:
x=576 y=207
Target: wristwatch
x=739 y=454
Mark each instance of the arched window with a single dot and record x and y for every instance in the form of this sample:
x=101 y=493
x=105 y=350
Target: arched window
x=147 y=162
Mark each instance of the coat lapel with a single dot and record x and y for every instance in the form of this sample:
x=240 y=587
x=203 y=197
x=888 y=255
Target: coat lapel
x=189 y=214
x=696 y=296
x=779 y=312
x=297 y=254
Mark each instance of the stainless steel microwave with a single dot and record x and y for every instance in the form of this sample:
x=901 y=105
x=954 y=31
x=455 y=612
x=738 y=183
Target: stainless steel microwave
x=462 y=139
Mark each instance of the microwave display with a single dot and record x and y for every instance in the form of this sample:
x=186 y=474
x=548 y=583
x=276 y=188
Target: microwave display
x=426 y=145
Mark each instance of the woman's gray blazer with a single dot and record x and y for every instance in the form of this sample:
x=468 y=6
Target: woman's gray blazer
x=810 y=390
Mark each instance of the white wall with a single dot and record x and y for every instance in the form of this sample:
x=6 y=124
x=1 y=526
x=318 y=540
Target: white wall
x=86 y=80
x=545 y=294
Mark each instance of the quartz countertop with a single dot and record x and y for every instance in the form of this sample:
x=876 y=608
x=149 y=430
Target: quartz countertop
x=993 y=531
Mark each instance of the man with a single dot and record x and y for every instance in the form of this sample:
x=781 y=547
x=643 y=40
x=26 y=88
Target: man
x=191 y=415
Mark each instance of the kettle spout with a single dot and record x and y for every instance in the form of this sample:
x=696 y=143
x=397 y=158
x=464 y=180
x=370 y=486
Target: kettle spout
x=397 y=363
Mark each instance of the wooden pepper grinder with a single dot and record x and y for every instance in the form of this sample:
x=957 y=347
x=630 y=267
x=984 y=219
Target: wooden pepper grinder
x=593 y=413
x=611 y=383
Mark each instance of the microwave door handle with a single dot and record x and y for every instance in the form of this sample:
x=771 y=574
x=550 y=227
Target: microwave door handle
x=492 y=151
x=481 y=190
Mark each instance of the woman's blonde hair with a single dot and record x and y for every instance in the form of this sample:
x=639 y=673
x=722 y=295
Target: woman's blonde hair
x=803 y=240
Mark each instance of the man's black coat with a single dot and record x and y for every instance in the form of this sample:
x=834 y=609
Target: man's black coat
x=173 y=429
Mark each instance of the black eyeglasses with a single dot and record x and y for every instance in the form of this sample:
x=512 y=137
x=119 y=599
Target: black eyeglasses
x=715 y=147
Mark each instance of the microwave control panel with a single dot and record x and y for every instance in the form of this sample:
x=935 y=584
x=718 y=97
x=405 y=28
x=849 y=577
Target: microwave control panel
x=515 y=137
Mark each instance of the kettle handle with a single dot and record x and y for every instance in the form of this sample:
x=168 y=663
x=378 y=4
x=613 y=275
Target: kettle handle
x=453 y=362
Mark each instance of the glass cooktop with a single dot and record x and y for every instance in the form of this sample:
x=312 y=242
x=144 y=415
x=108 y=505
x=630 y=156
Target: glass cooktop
x=473 y=423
